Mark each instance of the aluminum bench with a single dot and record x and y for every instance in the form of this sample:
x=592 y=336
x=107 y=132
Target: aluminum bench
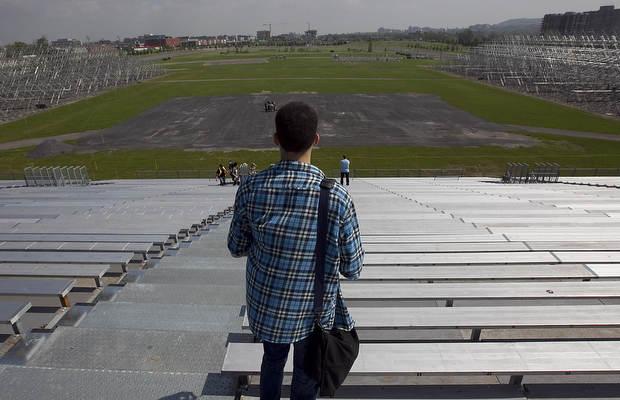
x=141 y=251
x=360 y=291
x=500 y=272
x=460 y=258
x=135 y=229
x=442 y=238
x=10 y=314
x=93 y=272
x=37 y=291
x=161 y=240
x=404 y=248
x=490 y=247
x=118 y=262
x=514 y=359
x=481 y=318
x=157 y=239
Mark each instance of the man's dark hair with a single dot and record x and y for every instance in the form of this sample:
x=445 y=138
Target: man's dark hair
x=296 y=125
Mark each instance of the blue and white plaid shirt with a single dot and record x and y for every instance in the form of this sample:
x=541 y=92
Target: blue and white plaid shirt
x=275 y=225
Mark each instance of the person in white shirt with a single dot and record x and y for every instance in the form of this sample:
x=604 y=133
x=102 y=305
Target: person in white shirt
x=344 y=170
x=244 y=172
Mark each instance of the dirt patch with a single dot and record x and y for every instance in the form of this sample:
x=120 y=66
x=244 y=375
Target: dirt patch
x=346 y=120
x=50 y=148
x=238 y=61
x=36 y=141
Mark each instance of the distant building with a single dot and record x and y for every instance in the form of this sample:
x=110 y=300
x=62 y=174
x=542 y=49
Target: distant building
x=312 y=34
x=66 y=43
x=161 y=41
x=605 y=21
x=263 y=35
x=383 y=30
x=189 y=42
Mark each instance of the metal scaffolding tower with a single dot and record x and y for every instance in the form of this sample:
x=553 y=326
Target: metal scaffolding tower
x=582 y=71
x=46 y=76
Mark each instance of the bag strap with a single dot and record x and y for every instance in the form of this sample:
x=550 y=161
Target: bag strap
x=321 y=247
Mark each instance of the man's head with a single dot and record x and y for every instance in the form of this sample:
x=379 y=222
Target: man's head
x=344 y=157
x=296 y=126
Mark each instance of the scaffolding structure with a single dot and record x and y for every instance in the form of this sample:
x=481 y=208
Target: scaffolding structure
x=582 y=71
x=43 y=77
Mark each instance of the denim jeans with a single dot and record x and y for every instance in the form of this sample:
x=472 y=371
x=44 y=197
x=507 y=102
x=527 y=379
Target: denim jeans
x=272 y=372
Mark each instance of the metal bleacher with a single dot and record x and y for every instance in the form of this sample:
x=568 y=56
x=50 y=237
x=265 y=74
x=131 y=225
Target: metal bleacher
x=66 y=246
x=470 y=290
x=470 y=286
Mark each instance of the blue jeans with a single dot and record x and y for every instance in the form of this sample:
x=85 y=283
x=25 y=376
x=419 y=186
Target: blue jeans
x=272 y=372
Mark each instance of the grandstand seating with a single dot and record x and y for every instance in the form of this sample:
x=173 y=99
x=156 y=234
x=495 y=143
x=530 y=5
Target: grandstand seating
x=530 y=275
x=61 y=246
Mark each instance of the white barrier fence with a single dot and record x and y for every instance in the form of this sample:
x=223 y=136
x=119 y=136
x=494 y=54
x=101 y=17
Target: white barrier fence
x=56 y=176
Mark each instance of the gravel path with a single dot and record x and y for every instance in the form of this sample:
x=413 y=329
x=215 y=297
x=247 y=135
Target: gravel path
x=562 y=132
x=36 y=141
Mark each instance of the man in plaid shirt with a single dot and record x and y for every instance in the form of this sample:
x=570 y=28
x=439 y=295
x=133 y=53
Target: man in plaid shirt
x=274 y=225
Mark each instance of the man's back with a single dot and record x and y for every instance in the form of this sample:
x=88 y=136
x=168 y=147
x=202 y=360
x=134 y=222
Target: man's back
x=344 y=165
x=275 y=225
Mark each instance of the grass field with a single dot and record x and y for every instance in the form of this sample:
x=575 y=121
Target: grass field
x=314 y=71
x=291 y=75
x=487 y=161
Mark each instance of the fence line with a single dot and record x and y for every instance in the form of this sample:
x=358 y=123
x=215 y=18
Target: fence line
x=355 y=173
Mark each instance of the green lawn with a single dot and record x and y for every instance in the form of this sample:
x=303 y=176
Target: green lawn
x=569 y=152
x=285 y=76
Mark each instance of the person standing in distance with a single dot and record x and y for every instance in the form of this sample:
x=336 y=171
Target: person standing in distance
x=345 y=165
x=275 y=226
x=221 y=174
x=244 y=172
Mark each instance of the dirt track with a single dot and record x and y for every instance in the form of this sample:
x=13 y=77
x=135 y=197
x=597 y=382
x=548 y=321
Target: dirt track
x=346 y=120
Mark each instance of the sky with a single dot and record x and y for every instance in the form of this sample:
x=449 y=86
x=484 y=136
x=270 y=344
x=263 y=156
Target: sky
x=27 y=20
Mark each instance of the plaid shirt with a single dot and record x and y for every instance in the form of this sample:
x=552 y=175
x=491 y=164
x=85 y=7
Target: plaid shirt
x=274 y=225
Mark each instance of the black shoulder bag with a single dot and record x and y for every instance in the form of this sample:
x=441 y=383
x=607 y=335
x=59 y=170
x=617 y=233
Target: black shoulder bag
x=331 y=354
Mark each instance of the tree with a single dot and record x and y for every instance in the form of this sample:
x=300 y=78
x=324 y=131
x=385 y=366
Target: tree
x=42 y=42
x=16 y=49
x=467 y=38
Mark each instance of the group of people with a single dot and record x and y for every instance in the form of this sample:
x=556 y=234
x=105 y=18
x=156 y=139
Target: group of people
x=237 y=173
x=270 y=106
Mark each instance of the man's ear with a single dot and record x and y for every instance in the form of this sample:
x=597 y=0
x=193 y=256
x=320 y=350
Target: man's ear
x=276 y=141
x=317 y=139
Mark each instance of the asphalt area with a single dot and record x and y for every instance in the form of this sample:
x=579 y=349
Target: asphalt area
x=231 y=122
